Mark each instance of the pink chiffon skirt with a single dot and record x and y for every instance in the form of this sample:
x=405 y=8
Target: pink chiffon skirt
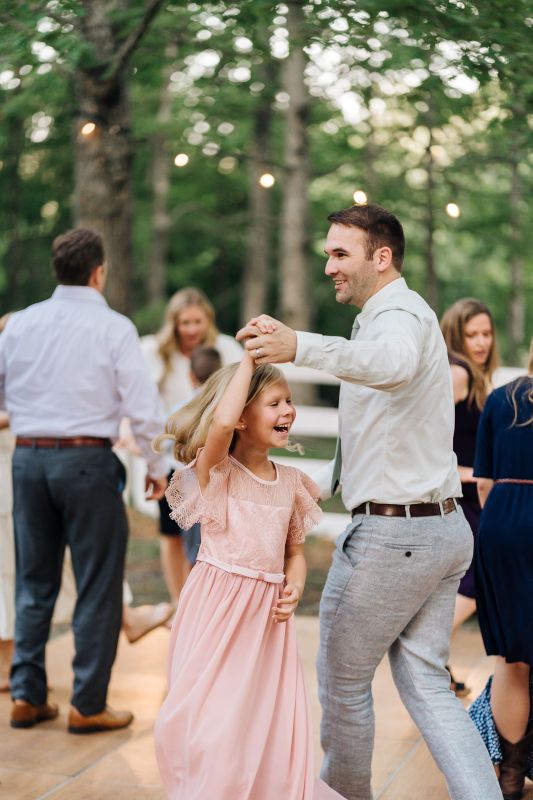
x=235 y=724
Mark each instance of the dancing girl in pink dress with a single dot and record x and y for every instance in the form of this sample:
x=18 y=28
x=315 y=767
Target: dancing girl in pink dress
x=235 y=724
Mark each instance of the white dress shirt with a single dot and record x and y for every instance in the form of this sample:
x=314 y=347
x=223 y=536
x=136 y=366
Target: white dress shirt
x=177 y=386
x=70 y=366
x=396 y=410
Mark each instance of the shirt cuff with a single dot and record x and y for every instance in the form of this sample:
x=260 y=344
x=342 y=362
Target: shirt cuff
x=159 y=467
x=309 y=349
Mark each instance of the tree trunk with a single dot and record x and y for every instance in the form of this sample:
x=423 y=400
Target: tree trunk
x=104 y=156
x=431 y=281
x=103 y=194
x=14 y=257
x=256 y=274
x=161 y=168
x=294 y=278
x=296 y=303
x=516 y=309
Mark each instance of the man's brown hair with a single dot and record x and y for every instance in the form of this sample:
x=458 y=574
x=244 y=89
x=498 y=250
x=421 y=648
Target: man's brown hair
x=75 y=254
x=382 y=229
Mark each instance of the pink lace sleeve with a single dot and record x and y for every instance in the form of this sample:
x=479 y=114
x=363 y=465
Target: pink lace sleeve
x=189 y=505
x=306 y=512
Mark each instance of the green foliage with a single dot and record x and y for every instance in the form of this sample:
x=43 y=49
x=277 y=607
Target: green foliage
x=397 y=89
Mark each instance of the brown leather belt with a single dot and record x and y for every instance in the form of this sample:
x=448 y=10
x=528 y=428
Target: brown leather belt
x=59 y=443
x=415 y=510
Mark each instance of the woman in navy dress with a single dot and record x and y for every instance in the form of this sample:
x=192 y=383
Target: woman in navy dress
x=504 y=574
x=468 y=331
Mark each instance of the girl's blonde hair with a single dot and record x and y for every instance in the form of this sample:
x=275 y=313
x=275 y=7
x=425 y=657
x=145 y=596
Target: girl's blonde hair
x=189 y=426
x=516 y=385
x=453 y=325
x=167 y=337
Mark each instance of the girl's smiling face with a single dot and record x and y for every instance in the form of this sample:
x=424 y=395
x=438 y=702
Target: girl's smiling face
x=269 y=418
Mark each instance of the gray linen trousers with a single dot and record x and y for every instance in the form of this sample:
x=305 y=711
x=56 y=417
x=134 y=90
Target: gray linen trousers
x=391 y=589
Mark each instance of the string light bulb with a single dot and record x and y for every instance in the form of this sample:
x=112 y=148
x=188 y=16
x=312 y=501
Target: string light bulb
x=267 y=180
x=453 y=210
x=181 y=160
x=360 y=197
x=88 y=129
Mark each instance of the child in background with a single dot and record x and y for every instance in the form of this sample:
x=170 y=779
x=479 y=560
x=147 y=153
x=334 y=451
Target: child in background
x=235 y=724
x=204 y=362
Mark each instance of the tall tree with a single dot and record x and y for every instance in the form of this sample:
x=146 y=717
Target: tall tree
x=103 y=144
x=95 y=40
x=257 y=268
x=294 y=275
x=161 y=167
x=294 y=300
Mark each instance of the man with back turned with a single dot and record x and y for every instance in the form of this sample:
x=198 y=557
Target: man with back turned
x=70 y=369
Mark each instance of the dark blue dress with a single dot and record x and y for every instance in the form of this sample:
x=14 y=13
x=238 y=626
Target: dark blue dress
x=504 y=553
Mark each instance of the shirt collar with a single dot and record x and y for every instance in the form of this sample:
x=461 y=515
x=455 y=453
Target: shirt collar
x=385 y=294
x=84 y=293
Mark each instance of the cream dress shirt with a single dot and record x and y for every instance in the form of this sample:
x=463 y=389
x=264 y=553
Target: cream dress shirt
x=70 y=366
x=396 y=410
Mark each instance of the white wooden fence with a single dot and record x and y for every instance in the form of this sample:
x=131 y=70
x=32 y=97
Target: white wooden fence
x=310 y=421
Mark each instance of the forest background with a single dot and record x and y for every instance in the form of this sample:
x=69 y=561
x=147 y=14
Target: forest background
x=208 y=141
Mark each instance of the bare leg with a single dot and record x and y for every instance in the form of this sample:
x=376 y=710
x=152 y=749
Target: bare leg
x=510 y=699
x=175 y=565
x=138 y=621
x=464 y=608
x=6 y=656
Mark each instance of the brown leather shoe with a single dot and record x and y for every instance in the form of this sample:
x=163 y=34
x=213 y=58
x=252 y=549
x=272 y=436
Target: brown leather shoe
x=106 y=720
x=25 y=715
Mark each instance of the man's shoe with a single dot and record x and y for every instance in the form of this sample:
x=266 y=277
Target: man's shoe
x=458 y=687
x=25 y=715
x=106 y=720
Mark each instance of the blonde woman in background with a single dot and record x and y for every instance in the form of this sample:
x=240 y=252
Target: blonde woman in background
x=468 y=331
x=189 y=323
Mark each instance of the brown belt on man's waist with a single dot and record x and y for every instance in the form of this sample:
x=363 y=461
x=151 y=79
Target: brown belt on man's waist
x=413 y=510
x=60 y=442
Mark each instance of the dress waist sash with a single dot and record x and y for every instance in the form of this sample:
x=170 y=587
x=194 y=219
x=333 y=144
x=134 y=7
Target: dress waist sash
x=524 y=481
x=236 y=569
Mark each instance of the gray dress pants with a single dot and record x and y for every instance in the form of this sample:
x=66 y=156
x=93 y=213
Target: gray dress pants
x=71 y=496
x=391 y=588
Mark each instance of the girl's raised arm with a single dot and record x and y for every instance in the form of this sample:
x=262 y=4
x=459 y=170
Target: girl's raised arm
x=225 y=419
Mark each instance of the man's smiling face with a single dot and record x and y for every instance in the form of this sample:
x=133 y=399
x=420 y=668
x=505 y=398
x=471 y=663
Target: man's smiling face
x=354 y=275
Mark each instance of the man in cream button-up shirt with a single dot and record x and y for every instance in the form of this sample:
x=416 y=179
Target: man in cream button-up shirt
x=396 y=568
x=400 y=352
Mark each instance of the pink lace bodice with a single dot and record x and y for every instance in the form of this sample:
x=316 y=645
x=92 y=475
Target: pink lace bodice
x=246 y=520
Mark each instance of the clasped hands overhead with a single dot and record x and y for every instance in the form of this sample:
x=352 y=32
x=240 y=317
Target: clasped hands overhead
x=268 y=340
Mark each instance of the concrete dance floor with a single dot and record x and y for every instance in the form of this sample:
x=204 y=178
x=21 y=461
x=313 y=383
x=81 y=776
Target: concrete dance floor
x=46 y=762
